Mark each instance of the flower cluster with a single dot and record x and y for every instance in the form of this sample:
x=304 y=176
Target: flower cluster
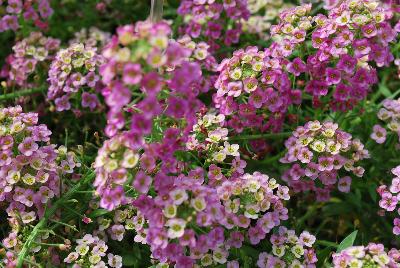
x=113 y=164
x=209 y=141
x=253 y=84
x=30 y=170
x=31 y=55
x=133 y=57
x=389 y=197
x=29 y=10
x=390 y=114
x=289 y=250
x=74 y=77
x=194 y=223
x=372 y=255
x=92 y=37
x=91 y=251
x=347 y=44
x=263 y=14
x=213 y=20
x=325 y=152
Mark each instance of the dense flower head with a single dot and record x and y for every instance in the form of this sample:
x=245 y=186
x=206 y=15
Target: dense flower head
x=92 y=37
x=132 y=59
x=74 y=77
x=113 y=164
x=263 y=14
x=209 y=140
x=28 y=10
x=372 y=255
x=31 y=57
x=30 y=171
x=390 y=115
x=289 y=250
x=389 y=198
x=253 y=84
x=91 y=251
x=347 y=45
x=202 y=224
x=325 y=152
x=212 y=20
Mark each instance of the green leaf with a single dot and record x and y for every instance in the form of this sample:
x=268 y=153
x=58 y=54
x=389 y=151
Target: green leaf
x=98 y=212
x=347 y=242
x=323 y=256
x=385 y=91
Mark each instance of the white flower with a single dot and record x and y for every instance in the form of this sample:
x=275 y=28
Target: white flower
x=356 y=251
x=28 y=217
x=231 y=149
x=178 y=196
x=176 y=228
x=198 y=203
x=298 y=251
x=114 y=261
x=278 y=251
x=170 y=211
x=219 y=156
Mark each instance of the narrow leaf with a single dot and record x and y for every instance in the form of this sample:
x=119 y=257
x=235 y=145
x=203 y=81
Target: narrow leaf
x=348 y=241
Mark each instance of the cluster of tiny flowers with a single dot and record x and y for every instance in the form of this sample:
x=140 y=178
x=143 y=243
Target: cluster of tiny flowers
x=30 y=170
x=114 y=163
x=27 y=10
x=195 y=223
x=390 y=114
x=133 y=57
x=289 y=250
x=31 y=56
x=213 y=20
x=117 y=224
x=325 y=152
x=345 y=44
x=209 y=141
x=373 y=255
x=253 y=84
x=389 y=198
x=200 y=54
x=263 y=14
x=74 y=77
x=92 y=37
x=91 y=251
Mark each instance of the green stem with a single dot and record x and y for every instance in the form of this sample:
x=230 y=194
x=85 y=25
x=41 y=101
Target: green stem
x=49 y=212
x=262 y=136
x=20 y=93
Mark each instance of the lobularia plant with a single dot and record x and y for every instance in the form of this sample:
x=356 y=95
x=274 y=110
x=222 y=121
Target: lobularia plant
x=30 y=176
x=323 y=154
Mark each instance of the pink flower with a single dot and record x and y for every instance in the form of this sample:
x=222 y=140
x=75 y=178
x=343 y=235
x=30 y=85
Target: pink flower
x=379 y=134
x=396 y=227
x=344 y=184
x=28 y=146
x=388 y=201
x=132 y=74
x=325 y=163
x=142 y=182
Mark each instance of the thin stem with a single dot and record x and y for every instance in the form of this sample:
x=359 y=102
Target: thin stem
x=156 y=12
x=20 y=93
x=262 y=136
x=48 y=213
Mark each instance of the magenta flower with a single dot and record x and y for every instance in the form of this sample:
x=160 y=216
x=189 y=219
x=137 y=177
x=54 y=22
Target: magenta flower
x=333 y=76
